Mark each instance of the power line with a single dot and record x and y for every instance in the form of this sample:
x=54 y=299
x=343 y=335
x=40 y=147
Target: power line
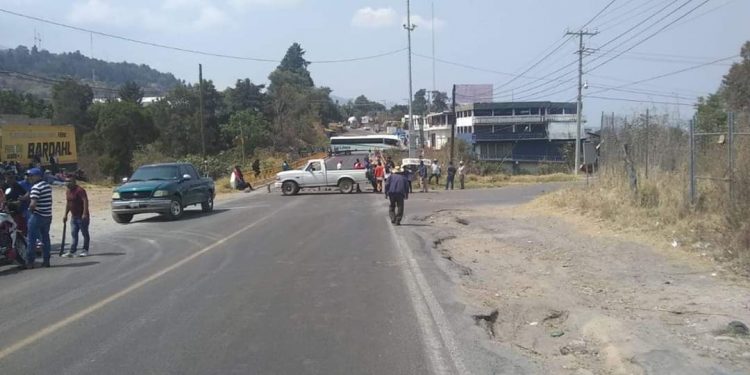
x=564 y=39
x=670 y=73
x=188 y=50
x=653 y=34
x=645 y=92
x=640 y=101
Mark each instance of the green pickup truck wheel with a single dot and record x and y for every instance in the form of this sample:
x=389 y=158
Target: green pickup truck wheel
x=175 y=209
x=208 y=205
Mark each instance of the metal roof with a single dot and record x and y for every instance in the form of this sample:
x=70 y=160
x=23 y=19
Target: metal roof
x=510 y=105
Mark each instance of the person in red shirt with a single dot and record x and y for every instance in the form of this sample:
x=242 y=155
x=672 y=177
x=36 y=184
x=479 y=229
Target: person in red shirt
x=78 y=207
x=379 y=175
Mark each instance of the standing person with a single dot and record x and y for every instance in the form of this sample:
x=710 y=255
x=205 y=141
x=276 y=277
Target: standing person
x=358 y=165
x=78 y=207
x=451 y=175
x=53 y=162
x=397 y=191
x=285 y=166
x=379 y=176
x=339 y=165
x=422 y=173
x=435 y=172
x=40 y=218
x=461 y=173
x=256 y=168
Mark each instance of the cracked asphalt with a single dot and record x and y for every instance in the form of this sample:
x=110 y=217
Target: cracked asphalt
x=312 y=284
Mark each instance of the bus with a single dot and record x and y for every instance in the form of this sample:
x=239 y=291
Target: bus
x=365 y=143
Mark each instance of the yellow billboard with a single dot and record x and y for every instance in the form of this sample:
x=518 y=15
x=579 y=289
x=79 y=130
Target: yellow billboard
x=23 y=143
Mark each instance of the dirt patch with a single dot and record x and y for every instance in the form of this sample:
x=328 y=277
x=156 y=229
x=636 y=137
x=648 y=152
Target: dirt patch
x=579 y=298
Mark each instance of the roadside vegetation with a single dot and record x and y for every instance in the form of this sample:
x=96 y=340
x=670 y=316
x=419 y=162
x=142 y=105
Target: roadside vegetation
x=653 y=197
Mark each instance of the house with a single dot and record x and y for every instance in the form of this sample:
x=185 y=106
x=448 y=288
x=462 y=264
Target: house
x=522 y=133
x=438 y=129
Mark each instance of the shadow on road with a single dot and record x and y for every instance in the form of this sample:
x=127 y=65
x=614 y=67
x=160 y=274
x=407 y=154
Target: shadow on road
x=11 y=270
x=187 y=215
x=73 y=265
x=111 y=254
x=415 y=225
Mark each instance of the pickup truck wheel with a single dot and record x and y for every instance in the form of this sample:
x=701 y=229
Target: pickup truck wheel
x=122 y=218
x=175 y=209
x=289 y=188
x=208 y=205
x=346 y=186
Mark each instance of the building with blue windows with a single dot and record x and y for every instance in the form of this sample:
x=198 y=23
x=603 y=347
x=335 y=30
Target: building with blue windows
x=521 y=133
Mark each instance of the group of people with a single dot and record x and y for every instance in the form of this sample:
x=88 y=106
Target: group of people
x=29 y=200
x=436 y=173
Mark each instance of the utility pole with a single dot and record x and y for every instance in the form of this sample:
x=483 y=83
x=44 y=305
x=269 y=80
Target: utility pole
x=647 y=140
x=581 y=51
x=455 y=119
x=200 y=101
x=434 y=81
x=409 y=28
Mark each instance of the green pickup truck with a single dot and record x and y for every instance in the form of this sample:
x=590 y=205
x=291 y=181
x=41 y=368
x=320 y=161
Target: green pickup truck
x=164 y=189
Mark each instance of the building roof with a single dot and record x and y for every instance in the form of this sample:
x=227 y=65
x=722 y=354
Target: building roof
x=509 y=105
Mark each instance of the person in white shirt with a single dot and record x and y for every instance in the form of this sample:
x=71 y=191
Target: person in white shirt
x=461 y=173
x=339 y=165
x=435 y=172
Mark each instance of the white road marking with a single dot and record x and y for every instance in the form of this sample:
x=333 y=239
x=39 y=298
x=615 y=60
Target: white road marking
x=428 y=311
x=52 y=328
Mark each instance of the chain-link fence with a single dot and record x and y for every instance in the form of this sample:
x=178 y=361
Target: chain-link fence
x=681 y=170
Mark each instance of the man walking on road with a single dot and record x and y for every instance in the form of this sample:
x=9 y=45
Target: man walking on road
x=461 y=173
x=397 y=190
x=78 y=207
x=451 y=176
x=422 y=175
x=40 y=211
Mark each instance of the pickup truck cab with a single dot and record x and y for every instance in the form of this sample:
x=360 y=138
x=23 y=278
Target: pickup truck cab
x=315 y=174
x=164 y=189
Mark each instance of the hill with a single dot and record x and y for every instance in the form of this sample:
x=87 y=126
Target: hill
x=34 y=71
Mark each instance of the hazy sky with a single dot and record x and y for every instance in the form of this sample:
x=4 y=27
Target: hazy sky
x=504 y=36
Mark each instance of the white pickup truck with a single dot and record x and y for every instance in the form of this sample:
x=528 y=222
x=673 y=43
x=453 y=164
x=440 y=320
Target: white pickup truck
x=316 y=175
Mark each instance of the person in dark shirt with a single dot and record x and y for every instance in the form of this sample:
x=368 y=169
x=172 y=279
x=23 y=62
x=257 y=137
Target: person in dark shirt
x=78 y=208
x=397 y=191
x=451 y=176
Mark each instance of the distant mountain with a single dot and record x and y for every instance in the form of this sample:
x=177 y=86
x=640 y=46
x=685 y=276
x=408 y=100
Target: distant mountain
x=32 y=70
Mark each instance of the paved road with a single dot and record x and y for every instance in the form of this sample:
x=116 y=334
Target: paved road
x=312 y=284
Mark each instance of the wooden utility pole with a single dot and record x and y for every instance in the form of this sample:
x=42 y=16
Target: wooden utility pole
x=453 y=124
x=200 y=100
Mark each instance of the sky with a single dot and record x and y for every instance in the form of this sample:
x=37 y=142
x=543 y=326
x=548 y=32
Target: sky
x=476 y=41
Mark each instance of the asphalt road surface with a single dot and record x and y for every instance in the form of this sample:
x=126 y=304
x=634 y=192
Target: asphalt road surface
x=312 y=284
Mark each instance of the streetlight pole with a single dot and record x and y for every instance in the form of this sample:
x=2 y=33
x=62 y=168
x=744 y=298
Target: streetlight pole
x=409 y=28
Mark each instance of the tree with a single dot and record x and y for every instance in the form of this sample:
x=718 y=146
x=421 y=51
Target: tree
x=294 y=103
x=419 y=105
x=247 y=129
x=294 y=61
x=736 y=84
x=245 y=95
x=120 y=128
x=439 y=101
x=398 y=111
x=365 y=107
x=70 y=101
x=14 y=103
x=711 y=113
x=131 y=92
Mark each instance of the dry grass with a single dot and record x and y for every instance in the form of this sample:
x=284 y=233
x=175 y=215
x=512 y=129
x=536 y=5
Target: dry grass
x=500 y=180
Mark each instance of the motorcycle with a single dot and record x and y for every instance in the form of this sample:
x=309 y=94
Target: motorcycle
x=12 y=241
